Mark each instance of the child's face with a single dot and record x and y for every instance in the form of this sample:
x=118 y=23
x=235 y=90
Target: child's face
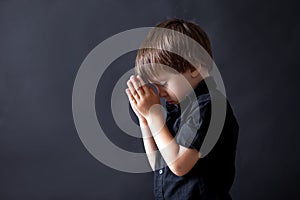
x=173 y=87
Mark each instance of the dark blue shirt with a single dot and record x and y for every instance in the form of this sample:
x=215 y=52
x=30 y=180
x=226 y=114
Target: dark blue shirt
x=212 y=176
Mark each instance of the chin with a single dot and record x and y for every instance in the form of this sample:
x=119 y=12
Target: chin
x=172 y=102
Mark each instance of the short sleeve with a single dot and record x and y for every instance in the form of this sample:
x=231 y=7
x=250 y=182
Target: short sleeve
x=193 y=129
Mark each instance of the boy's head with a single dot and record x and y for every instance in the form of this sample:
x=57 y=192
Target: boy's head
x=172 y=50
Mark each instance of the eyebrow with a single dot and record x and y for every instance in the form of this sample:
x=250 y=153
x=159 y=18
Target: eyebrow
x=158 y=82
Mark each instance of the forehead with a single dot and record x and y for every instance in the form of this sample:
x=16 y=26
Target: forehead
x=162 y=76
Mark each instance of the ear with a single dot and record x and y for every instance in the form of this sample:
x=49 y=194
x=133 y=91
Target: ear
x=195 y=72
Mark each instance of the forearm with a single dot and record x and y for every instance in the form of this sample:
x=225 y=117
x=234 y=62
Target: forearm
x=179 y=159
x=146 y=104
x=165 y=142
x=149 y=144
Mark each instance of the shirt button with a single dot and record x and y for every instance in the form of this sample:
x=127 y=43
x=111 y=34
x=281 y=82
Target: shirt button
x=160 y=171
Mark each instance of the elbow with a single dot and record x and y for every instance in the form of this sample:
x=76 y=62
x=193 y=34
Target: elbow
x=178 y=170
x=179 y=174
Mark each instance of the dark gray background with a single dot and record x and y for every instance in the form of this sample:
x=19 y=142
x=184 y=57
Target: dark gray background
x=42 y=45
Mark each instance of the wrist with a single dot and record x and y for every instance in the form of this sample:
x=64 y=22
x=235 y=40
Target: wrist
x=156 y=118
x=155 y=111
x=143 y=123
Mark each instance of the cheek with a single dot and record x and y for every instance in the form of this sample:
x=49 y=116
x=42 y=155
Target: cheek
x=177 y=91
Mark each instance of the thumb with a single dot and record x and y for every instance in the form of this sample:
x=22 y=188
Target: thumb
x=153 y=89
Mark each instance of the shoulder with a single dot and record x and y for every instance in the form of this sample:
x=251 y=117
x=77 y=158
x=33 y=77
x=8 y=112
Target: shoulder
x=204 y=104
x=196 y=109
x=197 y=102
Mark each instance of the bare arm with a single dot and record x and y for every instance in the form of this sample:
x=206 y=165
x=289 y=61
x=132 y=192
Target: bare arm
x=147 y=106
x=179 y=159
x=149 y=144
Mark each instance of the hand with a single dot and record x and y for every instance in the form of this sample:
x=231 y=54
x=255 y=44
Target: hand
x=142 y=120
x=142 y=98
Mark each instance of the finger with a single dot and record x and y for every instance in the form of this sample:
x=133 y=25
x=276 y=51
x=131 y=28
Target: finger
x=141 y=80
x=130 y=96
x=135 y=82
x=132 y=89
x=132 y=102
x=153 y=88
x=137 y=85
x=143 y=84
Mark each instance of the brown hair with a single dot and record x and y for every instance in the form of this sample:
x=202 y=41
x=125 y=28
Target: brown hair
x=159 y=45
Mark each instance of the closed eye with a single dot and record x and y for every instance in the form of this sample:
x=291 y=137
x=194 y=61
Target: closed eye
x=165 y=84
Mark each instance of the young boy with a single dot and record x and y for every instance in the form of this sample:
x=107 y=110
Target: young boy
x=179 y=170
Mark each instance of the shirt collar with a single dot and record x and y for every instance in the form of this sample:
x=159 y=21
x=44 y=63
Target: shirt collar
x=202 y=88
